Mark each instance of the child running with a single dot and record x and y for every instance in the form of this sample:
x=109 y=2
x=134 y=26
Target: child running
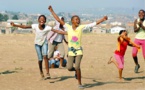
x=139 y=29
x=74 y=32
x=123 y=41
x=41 y=44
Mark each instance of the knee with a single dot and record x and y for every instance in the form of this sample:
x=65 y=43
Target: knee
x=71 y=69
x=51 y=61
x=45 y=57
x=134 y=54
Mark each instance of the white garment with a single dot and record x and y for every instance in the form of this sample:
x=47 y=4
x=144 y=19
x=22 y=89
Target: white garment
x=56 y=54
x=40 y=34
x=59 y=37
x=90 y=25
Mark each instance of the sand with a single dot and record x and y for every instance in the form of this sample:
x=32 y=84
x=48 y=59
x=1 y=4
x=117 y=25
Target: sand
x=19 y=69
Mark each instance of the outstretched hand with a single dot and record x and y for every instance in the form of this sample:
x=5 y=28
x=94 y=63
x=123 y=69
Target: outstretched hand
x=12 y=24
x=105 y=18
x=50 y=8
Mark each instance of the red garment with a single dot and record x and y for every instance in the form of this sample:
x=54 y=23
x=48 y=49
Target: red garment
x=122 y=46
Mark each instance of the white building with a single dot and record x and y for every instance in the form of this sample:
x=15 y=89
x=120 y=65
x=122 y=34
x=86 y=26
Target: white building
x=116 y=29
x=20 y=22
x=116 y=23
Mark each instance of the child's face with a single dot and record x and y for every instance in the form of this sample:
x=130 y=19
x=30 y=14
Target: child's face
x=76 y=21
x=124 y=33
x=141 y=14
x=42 y=21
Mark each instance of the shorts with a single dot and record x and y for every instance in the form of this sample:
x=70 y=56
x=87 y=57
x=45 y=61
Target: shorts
x=120 y=61
x=56 y=63
x=60 y=48
x=41 y=50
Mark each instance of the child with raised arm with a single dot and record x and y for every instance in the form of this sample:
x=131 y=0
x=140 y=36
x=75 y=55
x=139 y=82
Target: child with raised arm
x=41 y=44
x=123 y=42
x=74 y=32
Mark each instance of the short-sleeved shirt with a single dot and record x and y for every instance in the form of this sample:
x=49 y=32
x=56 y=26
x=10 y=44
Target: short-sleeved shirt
x=141 y=33
x=121 y=48
x=75 y=37
x=40 y=36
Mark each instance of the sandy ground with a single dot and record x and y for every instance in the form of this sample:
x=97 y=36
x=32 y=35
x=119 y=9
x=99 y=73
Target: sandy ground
x=19 y=69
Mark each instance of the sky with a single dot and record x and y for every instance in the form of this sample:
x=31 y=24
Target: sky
x=40 y=6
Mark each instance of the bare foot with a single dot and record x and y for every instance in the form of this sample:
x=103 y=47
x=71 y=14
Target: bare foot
x=110 y=60
x=121 y=80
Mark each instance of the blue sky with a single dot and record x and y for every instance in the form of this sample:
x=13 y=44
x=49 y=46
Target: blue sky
x=40 y=6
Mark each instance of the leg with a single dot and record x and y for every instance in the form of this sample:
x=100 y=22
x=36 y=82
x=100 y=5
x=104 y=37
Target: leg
x=135 y=51
x=120 y=73
x=46 y=64
x=112 y=60
x=70 y=63
x=143 y=48
x=62 y=53
x=52 y=63
x=44 y=52
x=40 y=68
x=51 y=50
x=77 y=68
x=64 y=63
x=40 y=58
x=134 y=54
x=121 y=66
x=119 y=63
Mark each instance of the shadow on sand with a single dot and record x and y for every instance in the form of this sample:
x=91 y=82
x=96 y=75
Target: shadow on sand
x=8 y=72
x=96 y=83
x=61 y=78
x=132 y=78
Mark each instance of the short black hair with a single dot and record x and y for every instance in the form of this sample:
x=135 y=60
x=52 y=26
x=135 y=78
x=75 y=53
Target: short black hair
x=42 y=16
x=141 y=10
x=74 y=17
x=121 y=31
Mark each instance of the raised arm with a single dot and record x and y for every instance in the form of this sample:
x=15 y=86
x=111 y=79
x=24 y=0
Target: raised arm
x=21 y=26
x=59 y=31
x=96 y=23
x=102 y=20
x=55 y=15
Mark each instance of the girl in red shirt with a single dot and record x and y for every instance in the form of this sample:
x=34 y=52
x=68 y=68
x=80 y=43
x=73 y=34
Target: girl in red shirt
x=123 y=42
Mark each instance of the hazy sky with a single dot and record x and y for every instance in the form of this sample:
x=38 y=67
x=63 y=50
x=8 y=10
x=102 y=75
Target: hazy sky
x=40 y=6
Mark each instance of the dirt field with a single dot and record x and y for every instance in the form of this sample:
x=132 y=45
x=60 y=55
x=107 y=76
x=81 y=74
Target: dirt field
x=19 y=69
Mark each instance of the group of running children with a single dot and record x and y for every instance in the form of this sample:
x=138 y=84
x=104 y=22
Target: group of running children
x=53 y=37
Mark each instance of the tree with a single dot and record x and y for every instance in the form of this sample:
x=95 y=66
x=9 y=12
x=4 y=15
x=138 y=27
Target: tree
x=15 y=17
x=5 y=17
x=1 y=17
